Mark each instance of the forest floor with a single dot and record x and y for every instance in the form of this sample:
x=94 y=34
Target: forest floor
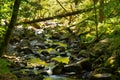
x=57 y=54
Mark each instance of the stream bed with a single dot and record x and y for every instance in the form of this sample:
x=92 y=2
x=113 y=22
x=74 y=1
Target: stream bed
x=58 y=77
x=34 y=53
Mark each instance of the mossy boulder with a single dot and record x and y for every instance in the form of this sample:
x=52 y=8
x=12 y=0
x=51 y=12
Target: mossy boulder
x=7 y=77
x=102 y=76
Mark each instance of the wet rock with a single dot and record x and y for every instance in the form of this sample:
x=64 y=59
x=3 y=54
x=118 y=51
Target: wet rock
x=56 y=35
x=58 y=69
x=19 y=31
x=86 y=64
x=72 y=68
x=102 y=76
x=45 y=53
x=33 y=42
x=60 y=49
x=86 y=53
x=86 y=74
x=47 y=71
x=54 y=45
x=27 y=50
x=113 y=62
x=77 y=67
x=53 y=53
x=83 y=53
x=74 y=51
x=40 y=67
x=37 y=77
x=100 y=48
x=15 y=39
x=39 y=32
x=37 y=55
x=41 y=45
x=11 y=49
x=37 y=44
x=29 y=32
x=24 y=42
x=42 y=57
x=63 y=54
x=44 y=73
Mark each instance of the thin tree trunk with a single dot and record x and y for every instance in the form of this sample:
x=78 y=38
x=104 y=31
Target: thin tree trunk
x=10 y=27
x=101 y=13
x=96 y=18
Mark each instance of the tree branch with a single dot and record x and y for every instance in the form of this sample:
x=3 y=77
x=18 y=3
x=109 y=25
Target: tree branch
x=61 y=5
x=57 y=16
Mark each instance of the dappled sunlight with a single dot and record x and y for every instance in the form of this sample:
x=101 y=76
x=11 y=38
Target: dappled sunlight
x=36 y=62
x=61 y=59
x=60 y=40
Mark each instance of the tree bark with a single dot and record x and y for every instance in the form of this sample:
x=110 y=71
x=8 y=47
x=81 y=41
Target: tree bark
x=8 y=34
x=96 y=18
x=101 y=13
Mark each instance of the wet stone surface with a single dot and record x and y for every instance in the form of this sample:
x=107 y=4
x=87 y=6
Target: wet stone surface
x=35 y=55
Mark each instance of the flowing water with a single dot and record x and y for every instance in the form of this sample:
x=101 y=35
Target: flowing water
x=56 y=77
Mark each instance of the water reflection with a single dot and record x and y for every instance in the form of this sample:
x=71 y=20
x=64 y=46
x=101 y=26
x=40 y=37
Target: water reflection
x=55 y=77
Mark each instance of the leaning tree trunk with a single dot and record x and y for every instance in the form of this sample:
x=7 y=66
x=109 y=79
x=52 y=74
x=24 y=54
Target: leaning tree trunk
x=10 y=27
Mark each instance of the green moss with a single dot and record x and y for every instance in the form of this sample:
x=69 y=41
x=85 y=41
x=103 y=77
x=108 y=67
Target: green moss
x=61 y=59
x=8 y=77
x=4 y=66
x=35 y=62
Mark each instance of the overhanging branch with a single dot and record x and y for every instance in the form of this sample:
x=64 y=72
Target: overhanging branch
x=57 y=16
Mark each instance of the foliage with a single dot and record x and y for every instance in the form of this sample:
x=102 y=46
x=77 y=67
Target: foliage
x=34 y=9
x=4 y=66
x=101 y=22
x=2 y=32
x=6 y=9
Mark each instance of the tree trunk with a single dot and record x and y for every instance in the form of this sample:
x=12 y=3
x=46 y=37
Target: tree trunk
x=8 y=34
x=101 y=13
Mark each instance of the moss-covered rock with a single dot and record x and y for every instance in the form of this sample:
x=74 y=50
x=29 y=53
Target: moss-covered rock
x=7 y=77
x=102 y=76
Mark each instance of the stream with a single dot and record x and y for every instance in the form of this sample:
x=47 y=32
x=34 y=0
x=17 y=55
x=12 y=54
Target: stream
x=58 y=77
x=34 y=51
